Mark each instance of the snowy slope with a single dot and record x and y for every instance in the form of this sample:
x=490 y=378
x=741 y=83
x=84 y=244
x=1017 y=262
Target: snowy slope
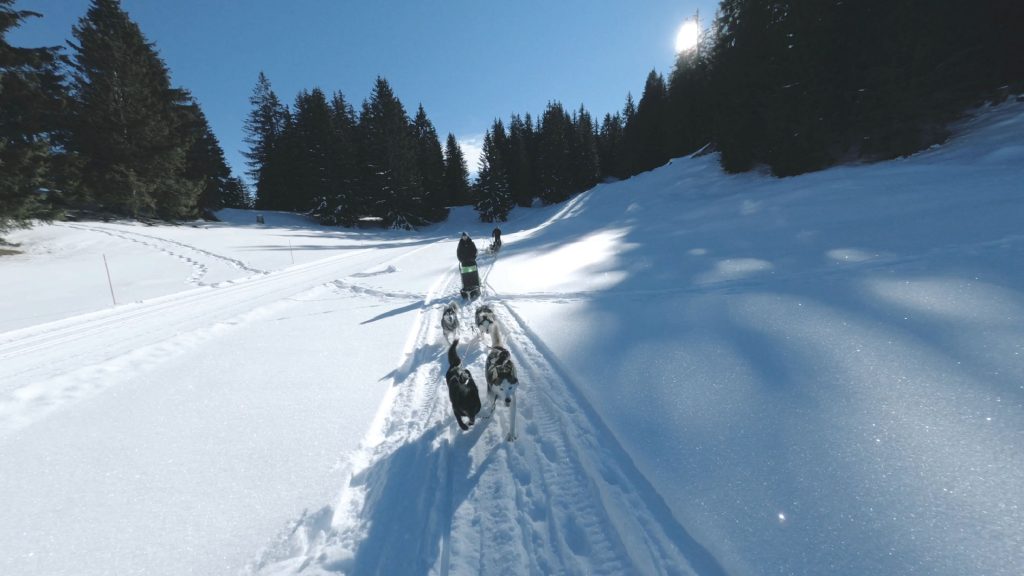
x=720 y=375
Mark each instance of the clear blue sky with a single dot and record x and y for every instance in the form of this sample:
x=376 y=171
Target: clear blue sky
x=467 y=61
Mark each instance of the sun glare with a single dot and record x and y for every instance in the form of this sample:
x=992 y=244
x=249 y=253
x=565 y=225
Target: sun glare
x=689 y=34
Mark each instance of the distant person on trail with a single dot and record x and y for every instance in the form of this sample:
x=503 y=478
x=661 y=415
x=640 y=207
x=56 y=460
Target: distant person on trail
x=496 y=243
x=466 y=253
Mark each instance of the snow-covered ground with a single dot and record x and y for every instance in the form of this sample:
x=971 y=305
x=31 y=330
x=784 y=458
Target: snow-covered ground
x=720 y=374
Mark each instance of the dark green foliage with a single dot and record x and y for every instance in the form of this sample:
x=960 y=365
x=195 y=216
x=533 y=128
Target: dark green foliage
x=31 y=107
x=555 y=172
x=339 y=205
x=430 y=163
x=129 y=126
x=321 y=159
x=264 y=129
x=799 y=85
x=622 y=161
x=236 y=194
x=609 y=146
x=690 y=101
x=456 y=174
x=390 y=176
x=493 y=193
x=205 y=162
x=647 y=133
x=583 y=152
x=309 y=143
x=792 y=84
x=519 y=160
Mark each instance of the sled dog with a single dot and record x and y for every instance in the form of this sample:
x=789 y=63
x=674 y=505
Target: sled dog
x=484 y=318
x=501 y=379
x=462 y=390
x=450 y=321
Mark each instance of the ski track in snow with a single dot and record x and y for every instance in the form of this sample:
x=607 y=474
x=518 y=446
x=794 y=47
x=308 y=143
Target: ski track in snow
x=40 y=369
x=427 y=498
x=197 y=258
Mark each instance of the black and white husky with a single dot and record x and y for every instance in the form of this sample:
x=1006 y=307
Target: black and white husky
x=450 y=321
x=501 y=378
x=462 y=390
x=485 y=318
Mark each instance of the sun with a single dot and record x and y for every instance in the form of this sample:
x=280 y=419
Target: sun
x=688 y=35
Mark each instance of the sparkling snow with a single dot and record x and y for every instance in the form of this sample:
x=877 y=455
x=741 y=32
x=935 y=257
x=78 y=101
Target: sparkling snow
x=721 y=374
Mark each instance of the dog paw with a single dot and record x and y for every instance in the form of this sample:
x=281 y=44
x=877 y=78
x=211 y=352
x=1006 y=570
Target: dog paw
x=463 y=425
x=511 y=437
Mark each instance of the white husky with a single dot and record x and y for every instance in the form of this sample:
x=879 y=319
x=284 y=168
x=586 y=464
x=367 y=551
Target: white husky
x=501 y=378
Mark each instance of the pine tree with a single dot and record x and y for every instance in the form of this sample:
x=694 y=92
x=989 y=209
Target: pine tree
x=690 y=100
x=263 y=129
x=390 y=173
x=31 y=103
x=430 y=163
x=520 y=171
x=609 y=146
x=456 y=174
x=340 y=206
x=205 y=162
x=236 y=194
x=309 y=172
x=742 y=77
x=586 y=170
x=494 y=198
x=623 y=167
x=554 y=161
x=648 y=130
x=129 y=124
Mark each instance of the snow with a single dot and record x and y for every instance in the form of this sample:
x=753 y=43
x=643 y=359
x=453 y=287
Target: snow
x=720 y=374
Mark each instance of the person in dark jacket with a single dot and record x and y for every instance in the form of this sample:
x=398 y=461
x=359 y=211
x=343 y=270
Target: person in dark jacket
x=466 y=252
x=496 y=243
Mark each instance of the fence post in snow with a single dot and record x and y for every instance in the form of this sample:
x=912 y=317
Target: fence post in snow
x=290 y=251
x=109 y=283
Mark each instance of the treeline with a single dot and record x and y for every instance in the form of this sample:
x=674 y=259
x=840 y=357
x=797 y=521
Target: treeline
x=794 y=85
x=320 y=157
x=801 y=85
x=101 y=129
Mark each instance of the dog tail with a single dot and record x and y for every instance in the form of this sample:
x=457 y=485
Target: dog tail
x=453 y=354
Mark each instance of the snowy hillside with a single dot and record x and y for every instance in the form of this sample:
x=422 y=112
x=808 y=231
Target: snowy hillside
x=720 y=374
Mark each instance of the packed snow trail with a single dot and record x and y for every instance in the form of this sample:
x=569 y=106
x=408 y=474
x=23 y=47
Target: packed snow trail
x=425 y=497
x=45 y=366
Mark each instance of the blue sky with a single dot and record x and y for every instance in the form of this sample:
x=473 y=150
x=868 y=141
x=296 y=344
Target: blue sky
x=468 y=62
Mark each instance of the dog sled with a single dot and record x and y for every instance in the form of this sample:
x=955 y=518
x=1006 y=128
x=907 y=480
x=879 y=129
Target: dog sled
x=470 y=281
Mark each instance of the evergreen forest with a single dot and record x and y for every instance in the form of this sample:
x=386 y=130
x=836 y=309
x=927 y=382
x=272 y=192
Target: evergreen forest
x=96 y=128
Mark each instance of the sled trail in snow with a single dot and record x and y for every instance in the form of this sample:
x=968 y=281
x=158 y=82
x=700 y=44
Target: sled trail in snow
x=47 y=366
x=427 y=498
